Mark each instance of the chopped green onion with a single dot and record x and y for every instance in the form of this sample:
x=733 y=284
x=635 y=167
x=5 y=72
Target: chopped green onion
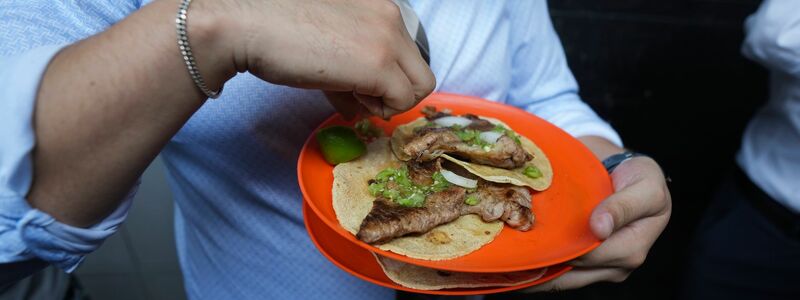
x=532 y=172
x=472 y=200
x=499 y=128
x=465 y=135
x=403 y=191
x=376 y=188
x=385 y=174
x=508 y=132
x=439 y=183
x=391 y=194
x=402 y=178
x=472 y=137
x=413 y=200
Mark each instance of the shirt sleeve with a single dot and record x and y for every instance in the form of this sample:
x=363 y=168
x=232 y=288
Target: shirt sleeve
x=773 y=36
x=542 y=83
x=33 y=33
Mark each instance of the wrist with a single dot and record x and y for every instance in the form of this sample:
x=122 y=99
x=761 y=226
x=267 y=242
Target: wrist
x=613 y=161
x=206 y=30
x=635 y=169
x=600 y=147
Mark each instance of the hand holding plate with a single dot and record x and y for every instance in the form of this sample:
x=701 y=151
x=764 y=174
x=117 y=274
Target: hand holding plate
x=629 y=221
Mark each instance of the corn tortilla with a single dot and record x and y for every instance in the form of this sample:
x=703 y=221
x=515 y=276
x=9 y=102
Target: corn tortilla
x=422 y=278
x=352 y=202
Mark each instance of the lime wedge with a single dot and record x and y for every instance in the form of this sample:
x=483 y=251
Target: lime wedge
x=340 y=144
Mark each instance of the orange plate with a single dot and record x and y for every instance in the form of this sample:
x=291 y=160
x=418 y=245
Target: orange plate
x=362 y=264
x=561 y=229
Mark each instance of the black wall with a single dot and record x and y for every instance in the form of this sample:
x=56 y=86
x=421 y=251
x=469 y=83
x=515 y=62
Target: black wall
x=669 y=76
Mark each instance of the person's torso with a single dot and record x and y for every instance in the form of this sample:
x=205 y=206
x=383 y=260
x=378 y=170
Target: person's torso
x=232 y=166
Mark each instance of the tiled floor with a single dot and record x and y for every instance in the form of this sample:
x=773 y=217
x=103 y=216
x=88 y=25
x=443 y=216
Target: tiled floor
x=140 y=261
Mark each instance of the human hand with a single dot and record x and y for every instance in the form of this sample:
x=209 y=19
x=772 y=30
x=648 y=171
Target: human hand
x=350 y=47
x=629 y=222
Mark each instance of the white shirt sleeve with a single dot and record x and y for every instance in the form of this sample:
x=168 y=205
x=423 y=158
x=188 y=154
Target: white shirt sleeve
x=773 y=36
x=542 y=83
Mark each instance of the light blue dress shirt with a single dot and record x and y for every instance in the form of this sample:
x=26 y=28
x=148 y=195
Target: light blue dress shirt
x=239 y=225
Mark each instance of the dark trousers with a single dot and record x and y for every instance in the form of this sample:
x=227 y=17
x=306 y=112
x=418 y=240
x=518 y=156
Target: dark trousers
x=49 y=283
x=740 y=251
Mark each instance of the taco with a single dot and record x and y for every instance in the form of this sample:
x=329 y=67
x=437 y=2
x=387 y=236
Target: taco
x=483 y=146
x=433 y=210
x=422 y=278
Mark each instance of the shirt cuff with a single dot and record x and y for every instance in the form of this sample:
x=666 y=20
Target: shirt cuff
x=30 y=233
x=27 y=233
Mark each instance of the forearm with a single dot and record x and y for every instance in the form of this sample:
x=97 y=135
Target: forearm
x=108 y=104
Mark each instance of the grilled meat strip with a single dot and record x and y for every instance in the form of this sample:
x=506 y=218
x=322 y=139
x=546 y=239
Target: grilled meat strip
x=422 y=172
x=431 y=113
x=388 y=220
x=477 y=123
x=509 y=203
x=430 y=142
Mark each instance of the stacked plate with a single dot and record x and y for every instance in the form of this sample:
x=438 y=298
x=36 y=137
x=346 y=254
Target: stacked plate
x=561 y=227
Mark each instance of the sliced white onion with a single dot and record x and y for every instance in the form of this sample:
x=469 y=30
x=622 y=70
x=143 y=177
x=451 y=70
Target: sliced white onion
x=490 y=137
x=451 y=120
x=458 y=180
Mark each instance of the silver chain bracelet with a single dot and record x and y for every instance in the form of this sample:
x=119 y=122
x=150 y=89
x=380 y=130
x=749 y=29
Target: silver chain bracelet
x=186 y=52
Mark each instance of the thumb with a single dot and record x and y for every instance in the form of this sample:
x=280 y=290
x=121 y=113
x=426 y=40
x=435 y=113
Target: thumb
x=629 y=204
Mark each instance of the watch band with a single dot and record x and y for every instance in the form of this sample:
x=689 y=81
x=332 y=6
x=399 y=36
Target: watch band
x=615 y=160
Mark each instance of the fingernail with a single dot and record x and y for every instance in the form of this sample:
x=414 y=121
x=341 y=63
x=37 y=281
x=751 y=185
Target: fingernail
x=602 y=225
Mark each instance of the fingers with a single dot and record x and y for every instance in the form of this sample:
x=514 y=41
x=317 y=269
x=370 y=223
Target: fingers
x=626 y=248
x=419 y=73
x=401 y=94
x=578 y=278
x=373 y=105
x=344 y=103
x=412 y=64
x=636 y=214
x=642 y=196
x=383 y=93
x=393 y=88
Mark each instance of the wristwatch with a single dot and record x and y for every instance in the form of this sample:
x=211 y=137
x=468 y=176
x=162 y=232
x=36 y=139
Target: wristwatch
x=615 y=160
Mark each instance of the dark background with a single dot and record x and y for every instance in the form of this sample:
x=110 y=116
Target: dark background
x=669 y=76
